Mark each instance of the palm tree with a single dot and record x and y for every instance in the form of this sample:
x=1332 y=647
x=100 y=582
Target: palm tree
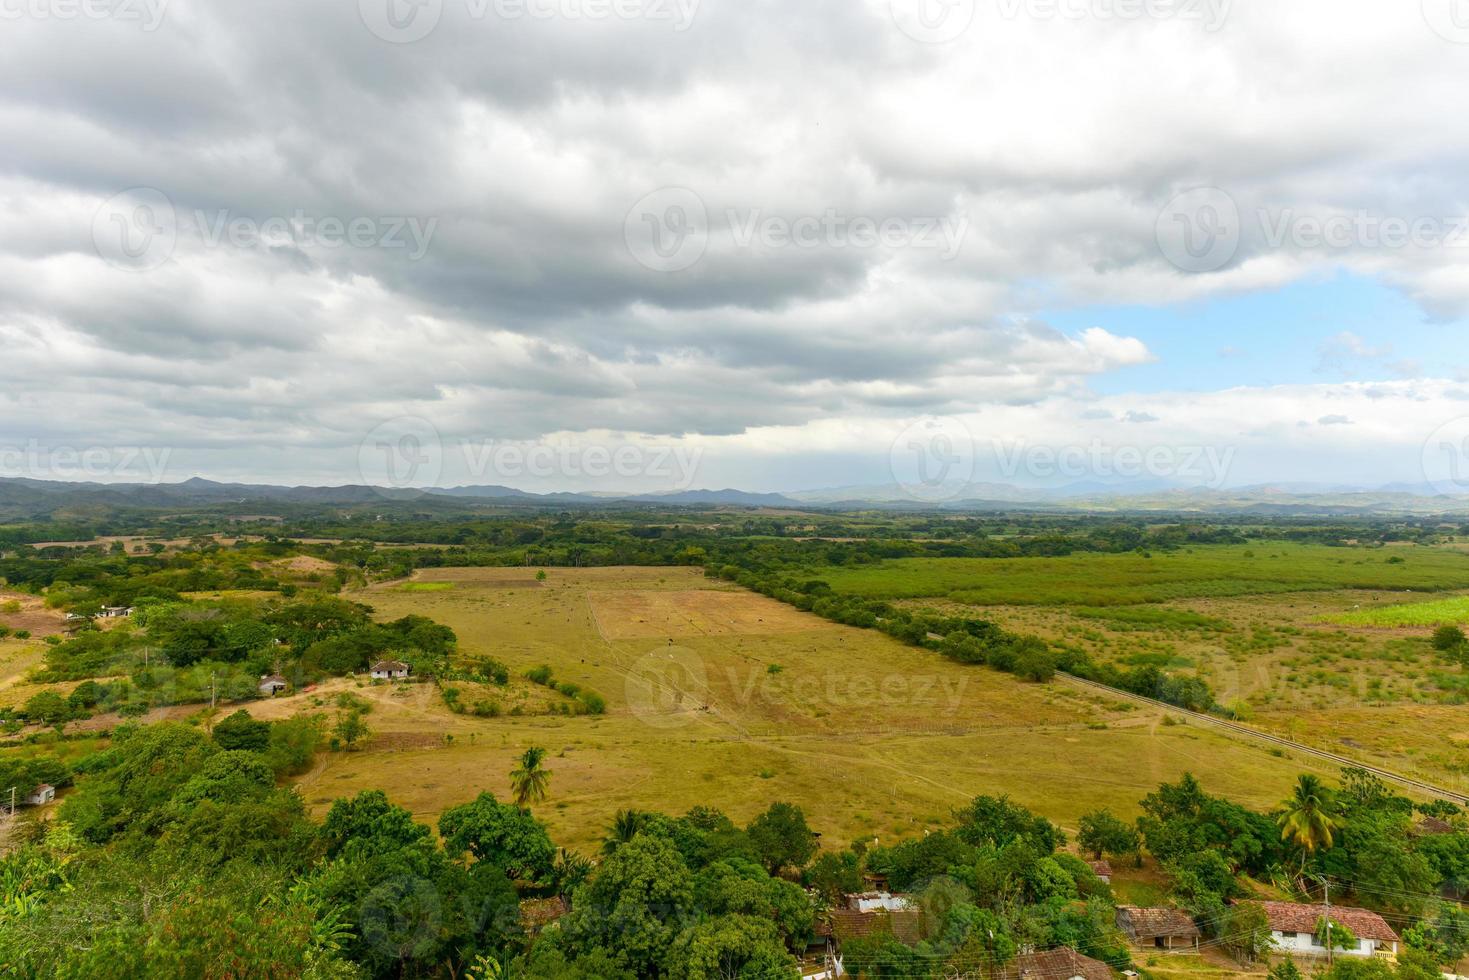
x=623 y=828
x=1308 y=817
x=528 y=782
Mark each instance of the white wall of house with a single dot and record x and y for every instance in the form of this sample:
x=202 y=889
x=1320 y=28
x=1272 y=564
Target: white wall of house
x=1304 y=942
x=871 y=903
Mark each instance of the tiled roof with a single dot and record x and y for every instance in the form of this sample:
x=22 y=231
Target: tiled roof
x=388 y=665
x=1290 y=917
x=903 y=924
x=1056 y=964
x=1143 y=924
x=1101 y=868
x=537 y=913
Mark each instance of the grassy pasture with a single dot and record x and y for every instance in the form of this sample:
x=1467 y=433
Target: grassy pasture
x=722 y=697
x=1208 y=571
x=1437 y=613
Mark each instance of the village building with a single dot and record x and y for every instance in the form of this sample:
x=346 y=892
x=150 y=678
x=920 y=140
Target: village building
x=272 y=684
x=540 y=913
x=873 y=901
x=1158 y=927
x=390 y=670
x=115 y=612
x=1102 y=870
x=1293 y=929
x=41 y=795
x=1056 y=964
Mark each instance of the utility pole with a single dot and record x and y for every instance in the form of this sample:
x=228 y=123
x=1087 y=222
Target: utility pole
x=1326 y=886
x=211 y=690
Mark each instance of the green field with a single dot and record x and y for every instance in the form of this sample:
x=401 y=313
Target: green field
x=1205 y=571
x=1437 y=613
x=871 y=737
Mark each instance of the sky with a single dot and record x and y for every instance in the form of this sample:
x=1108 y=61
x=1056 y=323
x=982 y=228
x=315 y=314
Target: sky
x=654 y=245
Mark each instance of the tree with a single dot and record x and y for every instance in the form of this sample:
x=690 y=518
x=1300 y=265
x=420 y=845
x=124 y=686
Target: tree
x=729 y=946
x=625 y=825
x=1449 y=638
x=1101 y=832
x=634 y=905
x=781 y=838
x=240 y=731
x=528 y=781
x=1309 y=817
x=350 y=728
x=1245 y=931
x=501 y=834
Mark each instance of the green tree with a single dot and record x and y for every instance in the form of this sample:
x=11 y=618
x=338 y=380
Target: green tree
x=501 y=834
x=241 y=731
x=1101 y=832
x=528 y=780
x=1449 y=638
x=350 y=728
x=781 y=837
x=634 y=905
x=626 y=824
x=1308 y=817
x=729 y=946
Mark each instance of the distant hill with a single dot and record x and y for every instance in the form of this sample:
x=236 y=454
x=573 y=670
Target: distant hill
x=22 y=499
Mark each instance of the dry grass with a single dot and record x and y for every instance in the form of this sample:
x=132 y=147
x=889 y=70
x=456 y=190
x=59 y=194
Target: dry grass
x=872 y=738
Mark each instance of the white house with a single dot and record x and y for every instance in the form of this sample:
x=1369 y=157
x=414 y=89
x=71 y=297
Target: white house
x=1293 y=929
x=115 y=612
x=390 y=670
x=41 y=795
x=872 y=901
x=272 y=684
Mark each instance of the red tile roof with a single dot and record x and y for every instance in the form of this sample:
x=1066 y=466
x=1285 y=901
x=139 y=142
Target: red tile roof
x=1056 y=964
x=904 y=924
x=1101 y=869
x=1290 y=917
x=1145 y=924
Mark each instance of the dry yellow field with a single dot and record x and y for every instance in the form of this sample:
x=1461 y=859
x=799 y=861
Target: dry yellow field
x=871 y=737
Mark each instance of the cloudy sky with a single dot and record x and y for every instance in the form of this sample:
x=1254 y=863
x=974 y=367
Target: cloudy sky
x=653 y=244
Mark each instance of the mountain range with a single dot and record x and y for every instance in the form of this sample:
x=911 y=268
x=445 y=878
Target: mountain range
x=22 y=497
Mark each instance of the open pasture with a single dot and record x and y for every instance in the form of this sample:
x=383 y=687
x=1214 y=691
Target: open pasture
x=1205 y=571
x=871 y=737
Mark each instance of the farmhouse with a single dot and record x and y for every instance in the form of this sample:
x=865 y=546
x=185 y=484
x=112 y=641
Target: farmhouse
x=390 y=670
x=1056 y=964
x=272 y=684
x=874 y=900
x=41 y=795
x=1102 y=870
x=1157 y=927
x=539 y=913
x=1293 y=928
x=115 y=612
